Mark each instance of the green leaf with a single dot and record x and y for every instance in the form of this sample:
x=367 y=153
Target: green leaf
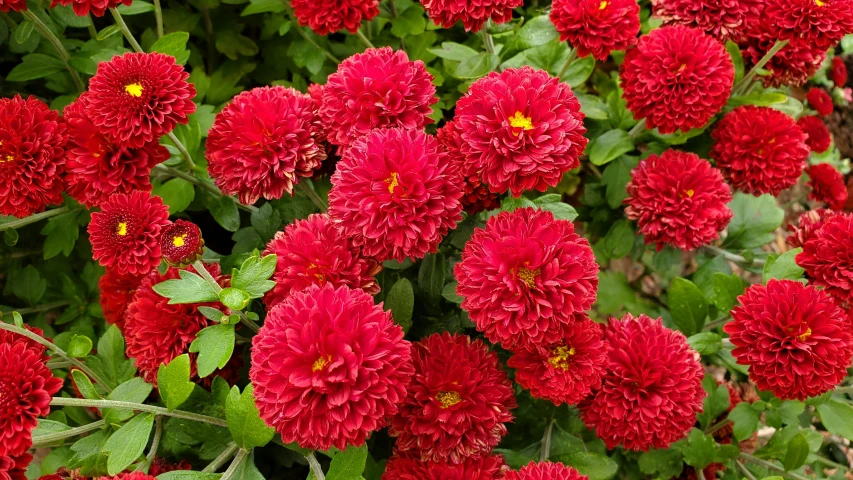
x=138 y=6
x=26 y=284
x=763 y=99
x=706 y=343
x=79 y=346
x=177 y=193
x=234 y=298
x=609 y=146
x=110 y=363
x=349 y=464
x=410 y=22
x=24 y=31
x=173 y=381
x=128 y=442
x=755 y=219
x=453 y=51
x=593 y=465
x=726 y=290
x=224 y=211
x=554 y=204
x=615 y=177
x=449 y=293
x=254 y=275
x=108 y=32
x=699 y=451
x=745 y=419
x=477 y=66
x=687 y=305
x=667 y=462
x=401 y=301
x=783 y=267
x=247 y=428
x=135 y=390
x=191 y=288
x=798 y=452
x=35 y=65
x=188 y=475
x=84 y=385
x=62 y=232
x=431 y=276
x=263 y=6
x=214 y=345
x=174 y=44
x=737 y=59
x=538 y=31
x=716 y=403
x=837 y=417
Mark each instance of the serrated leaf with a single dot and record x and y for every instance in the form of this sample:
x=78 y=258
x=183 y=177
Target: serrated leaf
x=783 y=267
x=191 y=288
x=755 y=219
x=214 y=345
x=247 y=428
x=401 y=301
x=173 y=381
x=128 y=442
x=667 y=462
x=687 y=305
x=253 y=277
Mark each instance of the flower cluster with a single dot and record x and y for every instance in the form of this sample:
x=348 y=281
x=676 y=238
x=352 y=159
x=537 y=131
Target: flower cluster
x=329 y=16
x=722 y=19
x=473 y=15
x=596 y=27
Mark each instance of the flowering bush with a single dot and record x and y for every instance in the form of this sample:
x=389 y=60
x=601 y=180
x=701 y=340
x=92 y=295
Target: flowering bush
x=426 y=240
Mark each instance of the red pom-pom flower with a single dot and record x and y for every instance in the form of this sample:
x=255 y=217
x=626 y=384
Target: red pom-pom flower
x=820 y=23
x=838 y=72
x=794 y=64
x=97 y=8
x=330 y=16
x=597 y=27
x=472 y=468
x=476 y=196
x=827 y=257
x=545 y=471
x=472 y=14
x=827 y=185
x=722 y=19
x=14 y=467
x=181 y=243
x=820 y=101
x=818 y=137
x=807 y=225
x=117 y=291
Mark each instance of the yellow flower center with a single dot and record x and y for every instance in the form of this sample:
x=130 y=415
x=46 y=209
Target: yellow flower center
x=134 y=89
x=392 y=182
x=320 y=363
x=819 y=3
x=689 y=193
x=9 y=158
x=121 y=229
x=528 y=276
x=179 y=240
x=806 y=334
x=560 y=357
x=448 y=399
x=602 y=5
x=520 y=122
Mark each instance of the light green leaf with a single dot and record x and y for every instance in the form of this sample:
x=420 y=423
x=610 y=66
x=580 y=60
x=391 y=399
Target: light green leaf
x=537 y=31
x=174 y=44
x=234 y=298
x=173 y=381
x=349 y=464
x=783 y=267
x=726 y=290
x=755 y=220
x=128 y=442
x=79 y=346
x=247 y=428
x=177 y=193
x=837 y=417
x=798 y=452
x=609 y=146
x=706 y=343
x=593 y=465
x=477 y=66
x=191 y=288
x=214 y=345
x=253 y=277
x=745 y=419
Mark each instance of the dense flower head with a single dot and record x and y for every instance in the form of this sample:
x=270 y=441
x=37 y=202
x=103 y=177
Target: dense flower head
x=827 y=256
x=827 y=185
x=263 y=141
x=125 y=234
x=820 y=101
x=545 y=471
x=314 y=251
x=378 y=88
x=13 y=5
x=818 y=137
x=97 y=8
x=97 y=167
x=820 y=23
x=14 y=467
x=472 y=14
x=32 y=143
x=759 y=149
x=136 y=98
x=329 y=367
x=597 y=27
x=489 y=467
x=722 y=19
x=159 y=466
x=566 y=367
x=678 y=199
x=838 y=72
x=793 y=65
x=117 y=291
x=330 y=16
x=395 y=194
x=181 y=243
x=526 y=275
x=653 y=388
x=795 y=339
x=458 y=401
x=12 y=338
x=807 y=225
x=476 y=196
x=522 y=129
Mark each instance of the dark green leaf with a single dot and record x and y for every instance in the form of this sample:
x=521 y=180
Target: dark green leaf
x=128 y=442
x=247 y=428
x=138 y=6
x=477 y=66
x=449 y=293
x=593 y=465
x=619 y=239
x=173 y=44
x=537 y=31
x=409 y=22
x=726 y=290
x=798 y=452
x=224 y=211
x=62 y=232
x=687 y=305
x=214 y=345
x=609 y=146
x=699 y=451
x=615 y=177
x=745 y=419
x=173 y=381
x=177 y=193
x=24 y=31
x=108 y=32
x=401 y=301
x=667 y=462
x=263 y=6
x=431 y=276
x=35 y=65
x=191 y=288
x=453 y=51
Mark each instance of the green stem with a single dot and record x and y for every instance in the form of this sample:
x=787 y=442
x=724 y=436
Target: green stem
x=235 y=464
x=185 y=154
x=315 y=467
x=223 y=457
x=57 y=44
x=208 y=34
x=44 y=308
x=772 y=466
x=746 y=81
x=125 y=31
x=843 y=390
x=173 y=172
x=830 y=463
x=366 y=41
x=301 y=32
x=202 y=270
x=733 y=256
x=93 y=32
x=745 y=470
x=155 y=444
x=138 y=407
x=158 y=15
x=309 y=192
x=546 y=441
x=715 y=324
x=33 y=218
x=713 y=428
x=573 y=53
x=488 y=41
x=48 y=439
x=638 y=129
x=17 y=255
x=6 y=18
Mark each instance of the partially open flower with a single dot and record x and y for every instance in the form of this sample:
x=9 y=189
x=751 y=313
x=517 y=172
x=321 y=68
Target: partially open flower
x=181 y=243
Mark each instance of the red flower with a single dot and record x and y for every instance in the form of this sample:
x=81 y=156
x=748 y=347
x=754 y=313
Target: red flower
x=545 y=471
x=96 y=7
x=793 y=65
x=722 y=19
x=794 y=338
x=759 y=149
x=13 y=338
x=395 y=194
x=315 y=252
x=160 y=466
x=379 y=88
x=818 y=136
x=330 y=16
x=32 y=142
x=181 y=243
x=678 y=199
x=129 y=476
x=808 y=224
x=472 y=14
x=96 y=167
x=821 y=23
x=156 y=331
x=838 y=72
x=263 y=141
x=827 y=185
x=26 y=386
x=526 y=275
x=597 y=27
x=14 y=5
x=479 y=468
x=329 y=367
x=136 y=98
x=125 y=233
x=820 y=101
x=827 y=256
x=476 y=196
x=14 y=467
x=521 y=129
x=117 y=291
x=565 y=368
x=653 y=388
x=677 y=78
x=458 y=401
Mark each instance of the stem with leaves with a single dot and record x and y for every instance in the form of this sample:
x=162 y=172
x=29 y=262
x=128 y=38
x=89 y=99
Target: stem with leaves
x=843 y=390
x=220 y=460
x=734 y=257
x=158 y=15
x=33 y=218
x=242 y=454
x=573 y=54
x=488 y=41
x=713 y=428
x=173 y=172
x=745 y=470
x=772 y=466
x=45 y=307
x=136 y=407
x=366 y=41
x=125 y=31
x=48 y=34
x=746 y=81
x=316 y=469
x=546 y=441
x=202 y=270
x=638 y=129
x=51 y=438
x=309 y=192
x=298 y=28
x=185 y=154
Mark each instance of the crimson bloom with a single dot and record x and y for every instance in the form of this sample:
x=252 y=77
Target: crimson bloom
x=13 y=5
x=526 y=275
x=117 y=291
x=722 y=19
x=125 y=233
x=808 y=224
x=596 y=27
x=794 y=338
x=820 y=101
x=136 y=98
x=545 y=471
x=329 y=367
x=472 y=14
x=379 y=88
x=472 y=468
x=827 y=257
x=653 y=387
x=457 y=404
x=32 y=141
x=820 y=23
x=827 y=185
x=838 y=72
x=476 y=196
x=129 y=476
x=793 y=65
x=395 y=194
x=263 y=141
x=13 y=338
x=759 y=149
x=84 y=7
x=14 y=467
x=181 y=243
x=521 y=128
x=329 y=16
x=818 y=137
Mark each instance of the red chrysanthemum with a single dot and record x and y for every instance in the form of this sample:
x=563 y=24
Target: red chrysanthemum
x=159 y=466
x=125 y=233
x=96 y=167
x=479 y=468
x=472 y=14
x=818 y=137
x=13 y=5
x=545 y=471
x=330 y=16
x=97 y=8
x=395 y=194
x=794 y=338
x=379 y=88
x=14 y=467
x=329 y=367
x=13 y=338
x=827 y=185
x=793 y=65
x=838 y=72
x=820 y=101
x=476 y=196
x=263 y=141
x=525 y=275
x=136 y=98
x=721 y=19
x=807 y=225
x=759 y=150
x=117 y=291
x=678 y=199
x=26 y=386
x=597 y=27
x=827 y=256
x=653 y=387
x=564 y=368
x=458 y=401
x=181 y=243
x=522 y=129
x=315 y=252
x=820 y=23
x=156 y=331
x=32 y=142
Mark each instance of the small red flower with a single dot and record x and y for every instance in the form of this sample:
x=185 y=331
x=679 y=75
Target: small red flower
x=13 y=5
x=129 y=476
x=125 y=233
x=653 y=387
x=818 y=137
x=117 y=291
x=32 y=142
x=821 y=23
x=793 y=65
x=827 y=185
x=84 y=7
x=526 y=275
x=136 y=98
x=597 y=27
x=827 y=257
x=330 y=16
x=838 y=72
x=677 y=78
x=476 y=196
x=795 y=339
x=458 y=401
x=472 y=14
x=472 y=468
x=263 y=141
x=329 y=367
x=181 y=243
x=759 y=149
x=722 y=19
x=820 y=101
x=14 y=467
x=160 y=466
x=522 y=129
x=808 y=224
x=545 y=471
